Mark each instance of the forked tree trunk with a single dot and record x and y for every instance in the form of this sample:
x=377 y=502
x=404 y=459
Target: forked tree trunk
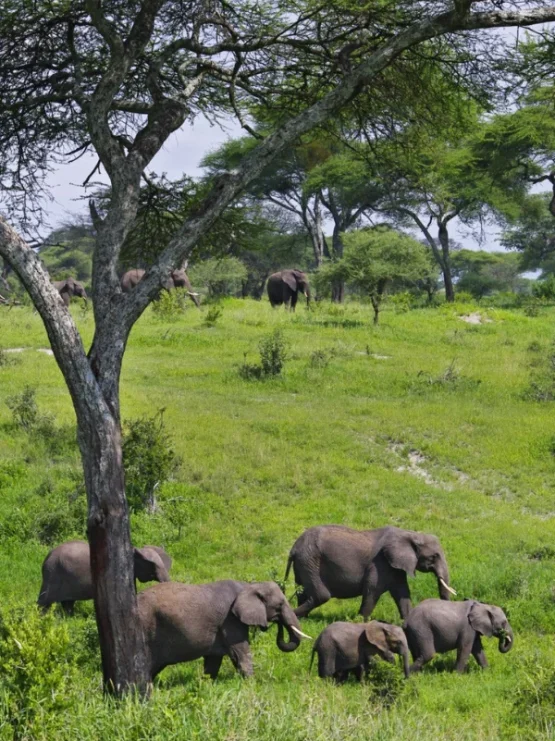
x=443 y=236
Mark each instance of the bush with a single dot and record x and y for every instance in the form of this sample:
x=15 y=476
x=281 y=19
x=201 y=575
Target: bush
x=24 y=409
x=213 y=314
x=542 y=378
x=148 y=460
x=273 y=354
x=37 y=668
x=170 y=305
x=545 y=289
x=220 y=276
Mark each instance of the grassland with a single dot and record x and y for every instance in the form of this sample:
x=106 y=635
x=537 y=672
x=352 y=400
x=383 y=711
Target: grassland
x=421 y=422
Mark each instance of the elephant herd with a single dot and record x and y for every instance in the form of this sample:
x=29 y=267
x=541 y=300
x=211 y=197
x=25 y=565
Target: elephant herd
x=185 y=622
x=282 y=287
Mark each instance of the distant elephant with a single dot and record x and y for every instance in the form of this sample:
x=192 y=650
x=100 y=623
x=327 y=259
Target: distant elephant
x=66 y=572
x=336 y=561
x=348 y=647
x=178 y=279
x=283 y=288
x=434 y=627
x=70 y=287
x=183 y=622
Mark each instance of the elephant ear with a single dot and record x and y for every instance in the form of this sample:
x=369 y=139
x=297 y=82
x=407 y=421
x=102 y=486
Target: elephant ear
x=289 y=279
x=250 y=608
x=400 y=552
x=149 y=566
x=376 y=636
x=479 y=618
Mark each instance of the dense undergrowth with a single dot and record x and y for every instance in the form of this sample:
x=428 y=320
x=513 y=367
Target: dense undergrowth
x=425 y=422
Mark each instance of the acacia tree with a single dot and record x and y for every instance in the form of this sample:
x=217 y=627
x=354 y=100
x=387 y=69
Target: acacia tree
x=118 y=78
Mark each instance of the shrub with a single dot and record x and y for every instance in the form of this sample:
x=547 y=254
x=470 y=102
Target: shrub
x=545 y=289
x=222 y=276
x=319 y=359
x=6 y=359
x=169 y=305
x=542 y=378
x=24 y=409
x=273 y=354
x=464 y=297
x=148 y=459
x=213 y=314
x=37 y=668
x=387 y=682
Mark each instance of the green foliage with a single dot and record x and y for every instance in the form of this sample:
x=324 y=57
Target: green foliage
x=545 y=289
x=149 y=459
x=481 y=273
x=222 y=276
x=24 y=409
x=273 y=354
x=37 y=669
x=67 y=252
x=170 y=304
x=212 y=315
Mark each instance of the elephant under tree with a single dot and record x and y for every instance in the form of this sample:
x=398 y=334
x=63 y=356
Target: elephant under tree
x=66 y=572
x=177 y=279
x=434 y=627
x=336 y=561
x=283 y=288
x=348 y=647
x=184 y=622
x=70 y=287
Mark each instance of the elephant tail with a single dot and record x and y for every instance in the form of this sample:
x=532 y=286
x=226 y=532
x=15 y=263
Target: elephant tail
x=289 y=564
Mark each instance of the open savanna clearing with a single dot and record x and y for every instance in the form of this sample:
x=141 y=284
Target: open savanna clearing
x=426 y=422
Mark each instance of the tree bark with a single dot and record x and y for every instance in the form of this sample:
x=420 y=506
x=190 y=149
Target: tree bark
x=443 y=237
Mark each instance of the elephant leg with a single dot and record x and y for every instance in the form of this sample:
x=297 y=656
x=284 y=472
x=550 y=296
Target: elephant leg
x=359 y=672
x=340 y=677
x=369 y=602
x=312 y=601
x=401 y=594
x=418 y=663
x=293 y=301
x=478 y=652
x=241 y=657
x=68 y=606
x=463 y=654
x=212 y=665
x=326 y=666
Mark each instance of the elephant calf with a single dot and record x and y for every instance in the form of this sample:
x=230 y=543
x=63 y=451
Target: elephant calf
x=346 y=647
x=434 y=627
x=66 y=572
x=184 y=622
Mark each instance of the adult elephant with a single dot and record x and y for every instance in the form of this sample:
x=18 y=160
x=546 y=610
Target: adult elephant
x=66 y=572
x=178 y=279
x=70 y=287
x=336 y=561
x=283 y=288
x=184 y=622
x=437 y=627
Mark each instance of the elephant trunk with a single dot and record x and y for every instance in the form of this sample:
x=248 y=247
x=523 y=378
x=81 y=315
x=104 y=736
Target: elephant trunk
x=442 y=573
x=404 y=652
x=506 y=640
x=288 y=620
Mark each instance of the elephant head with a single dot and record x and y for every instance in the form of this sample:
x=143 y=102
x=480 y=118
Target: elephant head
x=411 y=551
x=387 y=640
x=151 y=564
x=70 y=287
x=180 y=279
x=263 y=603
x=489 y=621
x=297 y=281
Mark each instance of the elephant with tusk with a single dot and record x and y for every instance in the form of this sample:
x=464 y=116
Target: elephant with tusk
x=434 y=627
x=69 y=288
x=184 y=622
x=336 y=561
x=177 y=279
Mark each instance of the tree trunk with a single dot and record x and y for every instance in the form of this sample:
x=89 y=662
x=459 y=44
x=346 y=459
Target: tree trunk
x=122 y=643
x=443 y=236
x=338 y=287
x=376 y=306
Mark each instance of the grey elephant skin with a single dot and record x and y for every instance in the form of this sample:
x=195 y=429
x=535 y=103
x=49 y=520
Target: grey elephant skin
x=284 y=287
x=66 y=572
x=184 y=622
x=343 y=648
x=336 y=561
x=68 y=288
x=178 y=279
x=434 y=627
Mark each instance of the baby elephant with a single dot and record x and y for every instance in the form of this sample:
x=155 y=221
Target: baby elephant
x=435 y=626
x=346 y=647
x=66 y=572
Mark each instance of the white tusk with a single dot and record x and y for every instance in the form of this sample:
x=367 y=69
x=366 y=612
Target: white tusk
x=447 y=587
x=508 y=639
x=299 y=632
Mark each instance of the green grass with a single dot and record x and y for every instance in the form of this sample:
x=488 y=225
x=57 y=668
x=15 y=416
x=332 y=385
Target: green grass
x=327 y=442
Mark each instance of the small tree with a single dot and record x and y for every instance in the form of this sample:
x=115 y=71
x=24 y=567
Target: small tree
x=376 y=257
